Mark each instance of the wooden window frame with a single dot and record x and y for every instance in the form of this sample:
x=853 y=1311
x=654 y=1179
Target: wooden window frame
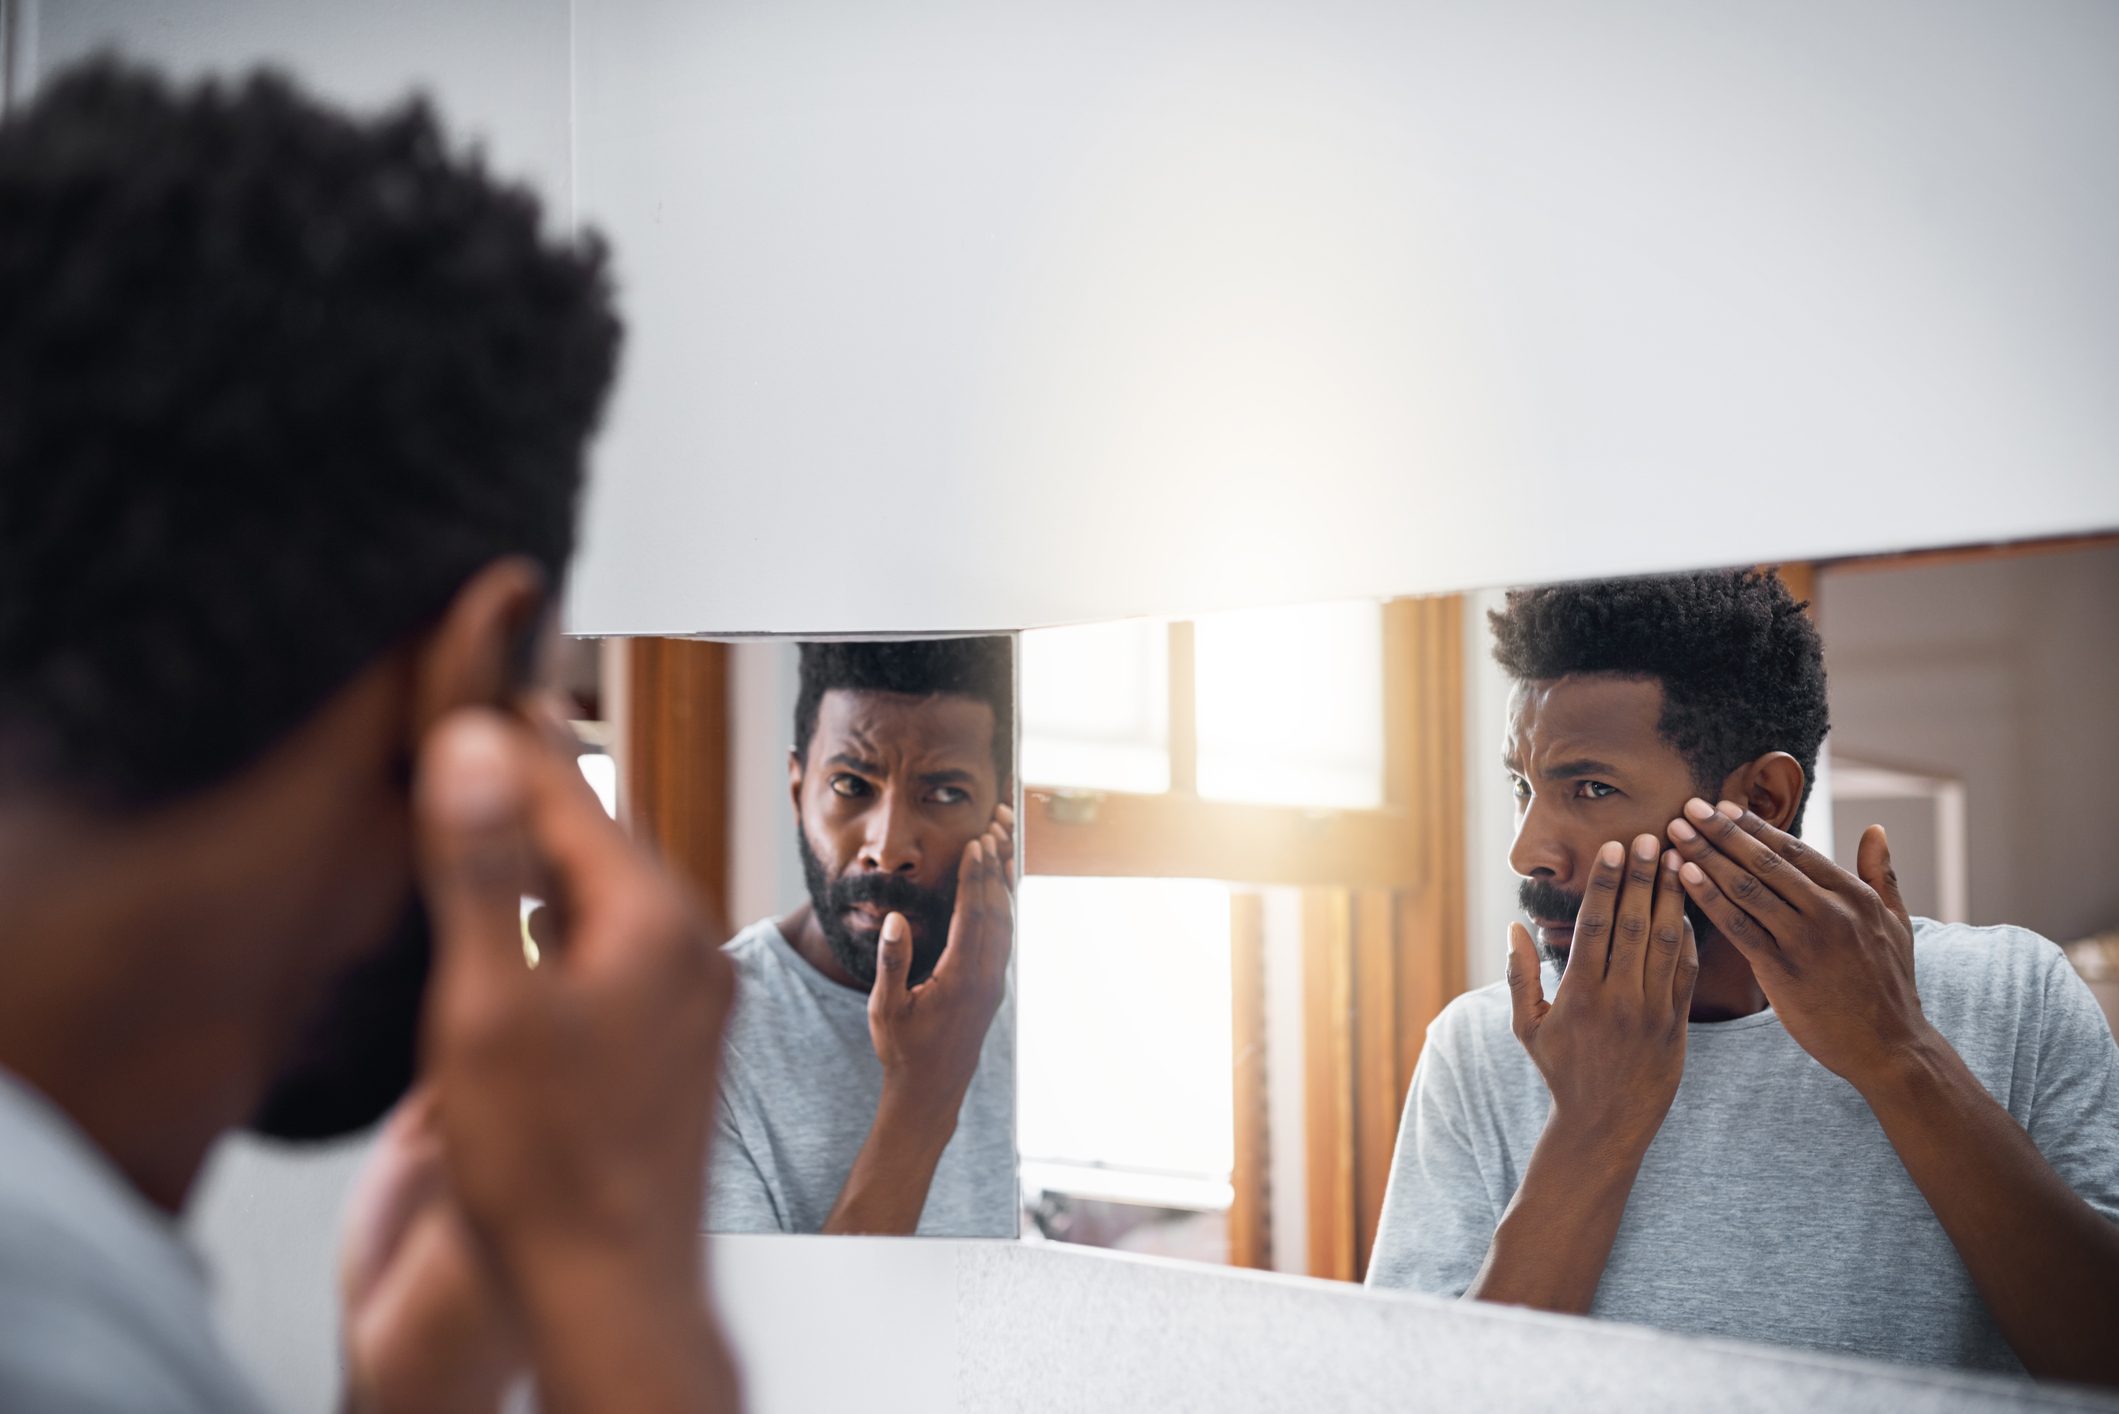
x=1383 y=931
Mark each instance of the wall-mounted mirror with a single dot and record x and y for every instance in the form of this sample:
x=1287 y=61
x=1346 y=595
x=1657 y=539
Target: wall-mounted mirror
x=851 y=805
x=1266 y=851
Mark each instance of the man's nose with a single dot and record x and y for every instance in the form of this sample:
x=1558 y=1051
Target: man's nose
x=892 y=844
x=1539 y=852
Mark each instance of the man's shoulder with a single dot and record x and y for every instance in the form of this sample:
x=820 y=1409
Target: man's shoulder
x=752 y=952
x=99 y=1305
x=1474 y=1026
x=1978 y=959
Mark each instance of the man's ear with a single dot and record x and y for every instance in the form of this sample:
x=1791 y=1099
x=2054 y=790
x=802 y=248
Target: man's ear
x=485 y=648
x=1770 y=787
x=794 y=782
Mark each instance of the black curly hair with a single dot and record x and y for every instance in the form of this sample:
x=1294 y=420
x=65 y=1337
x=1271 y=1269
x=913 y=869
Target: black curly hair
x=979 y=668
x=1741 y=667
x=274 y=382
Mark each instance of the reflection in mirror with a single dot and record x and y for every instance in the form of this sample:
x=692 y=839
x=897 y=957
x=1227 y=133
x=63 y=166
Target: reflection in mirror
x=865 y=825
x=1831 y=1082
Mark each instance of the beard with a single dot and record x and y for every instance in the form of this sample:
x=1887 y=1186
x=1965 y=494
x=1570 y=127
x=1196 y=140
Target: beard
x=359 y=1052
x=1538 y=899
x=928 y=910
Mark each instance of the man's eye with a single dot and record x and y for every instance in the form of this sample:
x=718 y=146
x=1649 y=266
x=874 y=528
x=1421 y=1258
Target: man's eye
x=1596 y=790
x=850 y=786
x=950 y=795
x=1519 y=788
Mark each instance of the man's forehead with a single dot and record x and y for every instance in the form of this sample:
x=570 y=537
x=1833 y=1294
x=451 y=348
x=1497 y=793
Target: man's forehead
x=904 y=724
x=1583 y=714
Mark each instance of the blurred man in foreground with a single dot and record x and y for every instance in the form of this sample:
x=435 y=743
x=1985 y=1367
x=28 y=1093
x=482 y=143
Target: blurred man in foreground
x=292 y=417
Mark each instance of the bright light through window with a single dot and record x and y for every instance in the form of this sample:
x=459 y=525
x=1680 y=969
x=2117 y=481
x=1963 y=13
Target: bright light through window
x=1096 y=707
x=1291 y=705
x=601 y=772
x=1124 y=1036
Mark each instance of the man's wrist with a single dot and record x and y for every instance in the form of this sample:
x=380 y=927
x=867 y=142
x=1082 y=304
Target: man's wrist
x=1910 y=1075
x=918 y=1116
x=1603 y=1145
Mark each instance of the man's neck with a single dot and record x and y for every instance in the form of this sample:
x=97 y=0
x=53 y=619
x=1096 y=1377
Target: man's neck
x=113 y=1010
x=1726 y=988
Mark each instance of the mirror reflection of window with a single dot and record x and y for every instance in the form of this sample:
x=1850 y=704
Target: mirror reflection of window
x=1283 y=854
x=1096 y=707
x=1290 y=705
x=1143 y=1166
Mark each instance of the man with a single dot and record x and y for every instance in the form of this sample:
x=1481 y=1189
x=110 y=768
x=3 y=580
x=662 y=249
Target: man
x=868 y=1086
x=292 y=417
x=1738 y=1114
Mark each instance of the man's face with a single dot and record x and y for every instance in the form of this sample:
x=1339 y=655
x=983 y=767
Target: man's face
x=893 y=789
x=1587 y=765
x=359 y=1053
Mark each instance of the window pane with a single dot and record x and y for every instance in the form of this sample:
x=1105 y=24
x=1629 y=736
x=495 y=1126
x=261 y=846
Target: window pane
x=1096 y=707
x=601 y=772
x=1291 y=705
x=1123 y=1059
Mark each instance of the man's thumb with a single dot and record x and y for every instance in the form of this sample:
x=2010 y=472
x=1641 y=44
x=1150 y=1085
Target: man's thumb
x=1872 y=861
x=470 y=804
x=893 y=964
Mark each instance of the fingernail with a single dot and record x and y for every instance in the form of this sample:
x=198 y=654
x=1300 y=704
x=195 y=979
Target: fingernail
x=1670 y=859
x=1679 y=830
x=476 y=788
x=1692 y=874
x=1644 y=848
x=1699 y=809
x=1730 y=809
x=894 y=926
x=1611 y=853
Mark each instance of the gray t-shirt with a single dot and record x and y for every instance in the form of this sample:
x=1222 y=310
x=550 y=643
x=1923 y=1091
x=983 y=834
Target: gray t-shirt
x=102 y=1307
x=799 y=1087
x=1770 y=1206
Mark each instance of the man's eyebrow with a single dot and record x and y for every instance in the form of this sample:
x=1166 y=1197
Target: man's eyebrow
x=1580 y=766
x=949 y=776
x=841 y=758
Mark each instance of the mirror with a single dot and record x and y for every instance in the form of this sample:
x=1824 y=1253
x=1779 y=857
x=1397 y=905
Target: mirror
x=1266 y=851
x=827 y=793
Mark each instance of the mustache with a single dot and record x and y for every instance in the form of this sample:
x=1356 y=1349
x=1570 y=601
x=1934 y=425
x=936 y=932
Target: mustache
x=892 y=892
x=1542 y=899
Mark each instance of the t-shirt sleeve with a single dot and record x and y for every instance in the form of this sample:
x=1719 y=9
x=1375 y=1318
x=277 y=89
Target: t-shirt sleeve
x=2075 y=1109
x=738 y=1197
x=1438 y=1217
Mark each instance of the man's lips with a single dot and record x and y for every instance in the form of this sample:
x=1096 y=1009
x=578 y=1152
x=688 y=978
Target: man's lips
x=1555 y=932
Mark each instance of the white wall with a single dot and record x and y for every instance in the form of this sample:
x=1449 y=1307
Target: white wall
x=2004 y=673
x=765 y=872
x=954 y=314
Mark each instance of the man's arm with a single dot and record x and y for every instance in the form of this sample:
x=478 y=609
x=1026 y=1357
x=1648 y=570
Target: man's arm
x=929 y=1039
x=1834 y=953
x=1611 y=1046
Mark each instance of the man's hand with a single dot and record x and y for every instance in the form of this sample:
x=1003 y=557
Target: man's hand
x=573 y=1099
x=427 y=1325
x=1611 y=1047
x=1832 y=951
x=929 y=1038
x=1611 y=1043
